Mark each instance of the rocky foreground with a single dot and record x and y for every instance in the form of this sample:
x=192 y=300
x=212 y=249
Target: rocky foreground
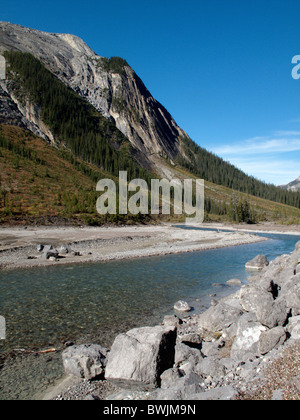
x=245 y=346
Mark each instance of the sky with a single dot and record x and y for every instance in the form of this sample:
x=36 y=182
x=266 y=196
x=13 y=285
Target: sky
x=222 y=68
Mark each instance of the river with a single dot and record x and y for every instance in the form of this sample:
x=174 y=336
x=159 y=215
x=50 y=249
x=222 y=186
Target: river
x=44 y=307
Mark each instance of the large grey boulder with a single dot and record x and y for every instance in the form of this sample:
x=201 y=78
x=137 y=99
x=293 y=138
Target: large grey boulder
x=272 y=315
x=291 y=294
x=246 y=343
x=258 y=263
x=180 y=389
x=138 y=358
x=271 y=339
x=219 y=317
x=186 y=357
x=85 y=361
x=252 y=297
x=210 y=366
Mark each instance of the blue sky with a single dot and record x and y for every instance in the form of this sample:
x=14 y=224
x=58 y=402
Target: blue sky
x=221 y=68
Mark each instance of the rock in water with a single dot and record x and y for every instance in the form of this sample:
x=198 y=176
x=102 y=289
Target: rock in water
x=258 y=263
x=139 y=357
x=182 y=306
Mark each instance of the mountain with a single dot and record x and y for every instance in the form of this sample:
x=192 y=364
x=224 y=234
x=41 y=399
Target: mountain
x=292 y=186
x=99 y=111
x=110 y=85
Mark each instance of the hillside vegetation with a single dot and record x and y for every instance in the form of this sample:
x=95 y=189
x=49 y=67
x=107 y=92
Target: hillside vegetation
x=43 y=184
x=39 y=181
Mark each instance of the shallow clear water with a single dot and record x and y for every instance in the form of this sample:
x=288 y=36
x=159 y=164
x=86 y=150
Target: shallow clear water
x=46 y=306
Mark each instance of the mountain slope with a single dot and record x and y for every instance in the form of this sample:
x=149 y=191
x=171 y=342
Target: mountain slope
x=126 y=127
x=292 y=186
x=45 y=185
x=111 y=86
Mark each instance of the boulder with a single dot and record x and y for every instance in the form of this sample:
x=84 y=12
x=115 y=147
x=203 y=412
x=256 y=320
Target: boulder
x=224 y=393
x=138 y=358
x=252 y=297
x=291 y=294
x=186 y=357
x=272 y=315
x=50 y=253
x=171 y=321
x=293 y=327
x=246 y=342
x=65 y=249
x=40 y=248
x=180 y=389
x=169 y=377
x=210 y=366
x=182 y=306
x=85 y=361
x=219 y=317
x=271 y=339
x=258 y=263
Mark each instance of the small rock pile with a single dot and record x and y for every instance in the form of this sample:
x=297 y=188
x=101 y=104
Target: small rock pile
x=220 y=354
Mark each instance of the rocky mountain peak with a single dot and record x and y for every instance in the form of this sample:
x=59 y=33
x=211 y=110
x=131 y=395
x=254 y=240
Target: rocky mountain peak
x=110 y=85
x=293 y=186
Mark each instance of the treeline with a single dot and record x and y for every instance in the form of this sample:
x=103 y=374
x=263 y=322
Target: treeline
x=20 y=150
x=212 y=168
x=74 y=122
x=239 y=210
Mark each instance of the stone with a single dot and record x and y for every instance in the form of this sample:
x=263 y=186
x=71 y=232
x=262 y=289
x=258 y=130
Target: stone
x=252 y=297
x=272 y=315
x=182 y=306
x=64 y=250
x=191 y=339
x=290 y=293
x=138 y=358
x=210 y=366
x=246 y=343
x=181 y=387
x=186 y=357
x=258 y=263
x=171 y=321
x=293 y=327
x=218 y=317
x=169 y=377
x=234 y=282
x=50 y=253
x=224 y=393
x=85 y=361
x=278 y=395
x=271 y=339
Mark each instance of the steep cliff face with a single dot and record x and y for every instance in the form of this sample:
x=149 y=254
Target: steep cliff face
x=111 y=86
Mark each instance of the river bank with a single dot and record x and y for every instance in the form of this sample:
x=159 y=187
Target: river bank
x=246 y=346
x=18 y=246
x=61 y=303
